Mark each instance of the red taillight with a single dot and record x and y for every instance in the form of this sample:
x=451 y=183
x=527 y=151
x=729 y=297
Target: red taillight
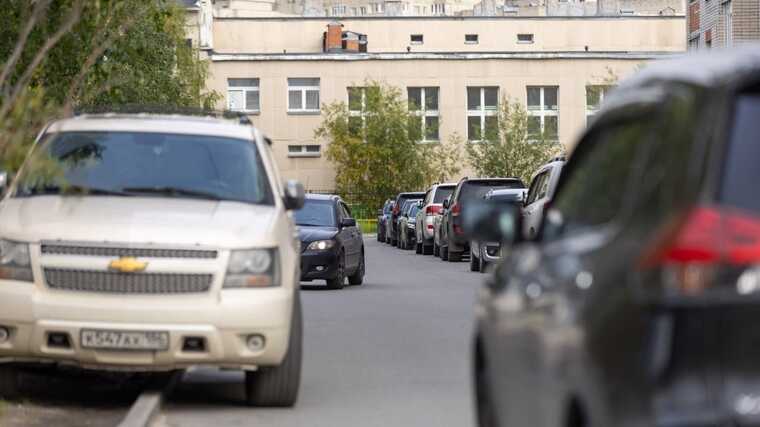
x=396 y=210
x=456 y=209
x=432 y=210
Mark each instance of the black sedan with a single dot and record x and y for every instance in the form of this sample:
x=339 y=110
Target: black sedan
x=634 y=304
x=332 y=248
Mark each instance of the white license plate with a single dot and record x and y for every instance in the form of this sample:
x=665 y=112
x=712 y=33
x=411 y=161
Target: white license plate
x=124 y=340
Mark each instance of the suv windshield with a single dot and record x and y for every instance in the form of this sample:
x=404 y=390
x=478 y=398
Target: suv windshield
x=147 y=164
x=441 y=193
x=478 y=189
x=741 y=168
x=316 y=213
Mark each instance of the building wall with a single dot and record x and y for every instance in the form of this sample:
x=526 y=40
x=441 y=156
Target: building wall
x=451 y=76
x=709 y=20
x=637 y=34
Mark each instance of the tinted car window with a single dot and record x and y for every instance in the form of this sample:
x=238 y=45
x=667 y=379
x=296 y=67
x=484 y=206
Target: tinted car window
x=441 y=193
x=512 y=197
x=221 y=168
x=535 y=185
x=595 y=189
x=317 y=213
x=413 y=210
x=742 y=170
x=478 y=189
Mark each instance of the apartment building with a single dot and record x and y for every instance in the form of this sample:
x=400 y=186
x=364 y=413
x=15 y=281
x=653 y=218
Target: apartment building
x=281 y=71
x=722 y=23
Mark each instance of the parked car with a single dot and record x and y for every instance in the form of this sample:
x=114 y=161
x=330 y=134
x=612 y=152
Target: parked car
x=405 y=206
x=541 y=189
x=400 y=199
x=453 y=243
x=332 y=245
x=382 y=220
x=482 y=254
x=437 y=221
x=408 y=237
x=634 y=302
x=127 y=259
x=432 y=206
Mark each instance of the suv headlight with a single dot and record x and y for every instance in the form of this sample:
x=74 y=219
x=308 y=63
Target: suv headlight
x=252 y=268
x=320 y=245
x=15 y=263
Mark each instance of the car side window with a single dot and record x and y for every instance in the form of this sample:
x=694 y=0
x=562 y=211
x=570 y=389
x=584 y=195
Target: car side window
x=594 y=191
x=543 y=186
x=534 y=187
x=345 y=211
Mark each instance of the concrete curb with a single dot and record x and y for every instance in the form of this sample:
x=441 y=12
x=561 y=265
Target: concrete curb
x=148 y=405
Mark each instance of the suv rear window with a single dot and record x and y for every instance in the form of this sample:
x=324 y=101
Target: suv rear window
x=147 y=164
x=741 y=168
x=441 y=193
x=479 y=188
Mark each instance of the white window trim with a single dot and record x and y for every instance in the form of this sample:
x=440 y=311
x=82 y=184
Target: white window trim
x=591 y=112
x=481 y=112
x=303 y=90
x=244 y=89
x=423 y=112
x=360 y=113
x=727 y=9
x=542 y=112
x=303 y=152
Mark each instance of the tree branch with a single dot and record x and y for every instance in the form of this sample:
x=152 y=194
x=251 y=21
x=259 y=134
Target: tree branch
x=37 y=13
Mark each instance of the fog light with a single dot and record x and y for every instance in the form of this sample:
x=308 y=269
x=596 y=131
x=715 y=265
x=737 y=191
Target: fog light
x=255 y=342
x=59 y=340
x=5 y=334
x=320 y=268
x=194 y=344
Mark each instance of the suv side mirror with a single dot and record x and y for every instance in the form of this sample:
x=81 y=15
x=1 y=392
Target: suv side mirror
x=294 y=195
x=489 y=220
x=348 y=222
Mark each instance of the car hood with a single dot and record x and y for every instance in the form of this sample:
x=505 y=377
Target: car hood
x=310 y=234
x=130 y=220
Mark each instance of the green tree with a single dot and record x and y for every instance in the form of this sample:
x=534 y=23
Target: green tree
x=443 y=159
x=64 y=54
x=508 y=148
x=373 y=142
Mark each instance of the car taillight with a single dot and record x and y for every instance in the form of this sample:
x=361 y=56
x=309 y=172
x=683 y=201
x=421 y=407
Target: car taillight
x=456 y=209
x=711 y=250
x=432 y=210
x=396 y=210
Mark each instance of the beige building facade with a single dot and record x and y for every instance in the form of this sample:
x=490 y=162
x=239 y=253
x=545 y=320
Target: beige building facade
x=278 y=71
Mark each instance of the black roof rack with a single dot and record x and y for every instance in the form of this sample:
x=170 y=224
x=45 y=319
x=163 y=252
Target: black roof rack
x=241 y=117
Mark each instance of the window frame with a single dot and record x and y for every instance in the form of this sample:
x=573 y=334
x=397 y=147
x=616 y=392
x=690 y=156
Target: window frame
x=358 y=113
x=542 y=112
x=417 y=43
x=481 y=112
x=244 y=90
x=531 y=41
x=423 y=113
x=590 y=113
x=302 y=90
x=476 y=41
x=304 y=152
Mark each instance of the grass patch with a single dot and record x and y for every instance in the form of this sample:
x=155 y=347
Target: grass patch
x=368 y=226
x=2 y=407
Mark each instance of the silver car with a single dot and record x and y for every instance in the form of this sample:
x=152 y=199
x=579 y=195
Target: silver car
x=483 y=254
x=541 y=190
x=432 y=206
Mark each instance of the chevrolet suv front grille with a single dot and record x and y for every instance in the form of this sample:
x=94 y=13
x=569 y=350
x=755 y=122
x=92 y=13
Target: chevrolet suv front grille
x=111 y=251
x=127 y=283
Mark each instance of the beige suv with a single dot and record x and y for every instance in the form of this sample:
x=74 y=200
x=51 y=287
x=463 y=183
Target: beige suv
x=152 y=243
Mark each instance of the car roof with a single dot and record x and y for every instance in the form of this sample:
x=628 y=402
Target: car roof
x=153 y=123
x=325 y=197
x=411 y=194
x=503 y=191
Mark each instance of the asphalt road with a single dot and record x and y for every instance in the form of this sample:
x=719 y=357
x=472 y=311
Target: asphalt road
x=392 y=352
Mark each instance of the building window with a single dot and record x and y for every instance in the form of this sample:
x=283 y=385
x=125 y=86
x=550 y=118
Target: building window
x=243 y=95
x=471 y=39
x=439 y=9
x=423 y=103
x=482 y=113
x=525 y=38
x=377 y=7
x=694 y=43
x=595 y=95
x=543 y=112
x=304 y=150
x=416 y=39
x=339 y=10
x=357 y=107
x=728 y=19
x=303 y=95
x=363 y=10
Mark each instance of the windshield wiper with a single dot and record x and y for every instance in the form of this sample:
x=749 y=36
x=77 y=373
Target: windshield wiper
x=174 y=191
x=75 y=190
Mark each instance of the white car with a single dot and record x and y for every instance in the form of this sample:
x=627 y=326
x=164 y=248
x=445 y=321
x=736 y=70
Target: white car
x=152 y=243
x=432 y=206
x=541 y=190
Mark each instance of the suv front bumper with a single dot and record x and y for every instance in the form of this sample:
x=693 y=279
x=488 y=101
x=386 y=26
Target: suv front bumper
x=223 y=320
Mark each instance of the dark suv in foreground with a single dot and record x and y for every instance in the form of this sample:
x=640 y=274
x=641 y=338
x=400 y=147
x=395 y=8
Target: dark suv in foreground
x=636 y=303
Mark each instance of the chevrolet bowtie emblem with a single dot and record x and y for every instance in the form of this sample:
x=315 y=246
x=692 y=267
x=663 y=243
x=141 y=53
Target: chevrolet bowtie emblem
x=128 y=265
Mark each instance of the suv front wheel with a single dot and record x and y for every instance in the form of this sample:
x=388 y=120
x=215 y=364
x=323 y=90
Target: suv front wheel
x=277 y=386
x=8 y=382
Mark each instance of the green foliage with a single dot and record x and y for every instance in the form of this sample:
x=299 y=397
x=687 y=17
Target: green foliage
x=508 y=150
x=373 y=144
x=444 y=159
x=117 y=52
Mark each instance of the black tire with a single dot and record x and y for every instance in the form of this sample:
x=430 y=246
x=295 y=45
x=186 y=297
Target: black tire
x=9 y=382
x=380 y=235
x=358 y=277
x=474 y=263
x=339 y=280
x=483 y=265
x=277 y=386
x=427 y=250
x=436 y=250
x=454 y=256
x=444 y=253
x=486 y=415
x=418 y=248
